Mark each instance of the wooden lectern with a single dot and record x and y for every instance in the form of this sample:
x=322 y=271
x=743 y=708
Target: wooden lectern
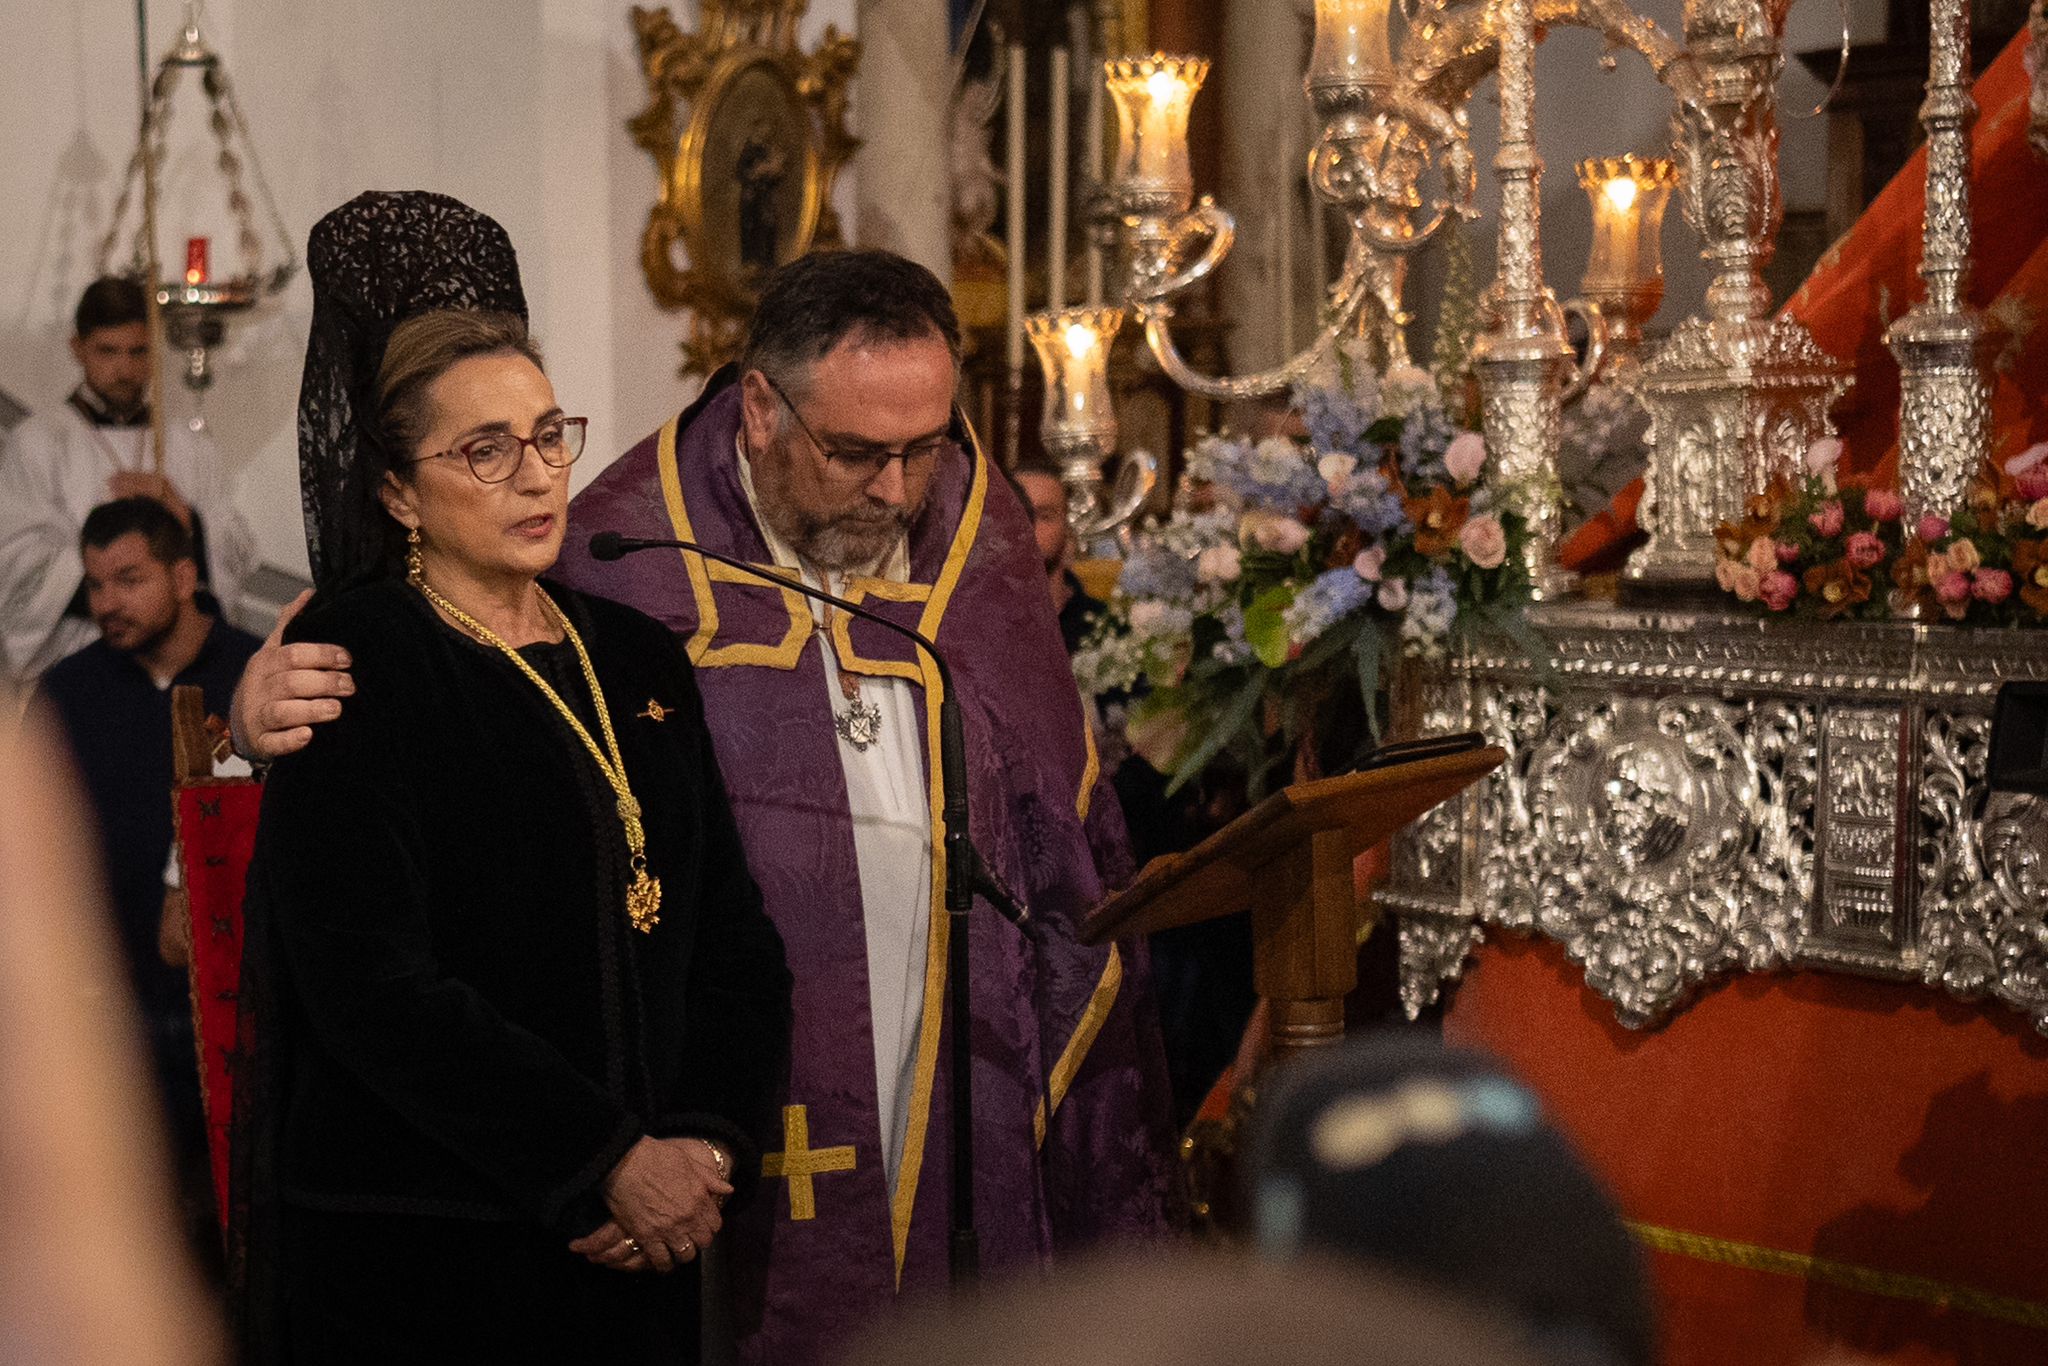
x=1289 y=859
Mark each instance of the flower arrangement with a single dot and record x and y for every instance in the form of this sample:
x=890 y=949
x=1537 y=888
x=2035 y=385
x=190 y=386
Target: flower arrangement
x=1260 y=613
x=1838 y=549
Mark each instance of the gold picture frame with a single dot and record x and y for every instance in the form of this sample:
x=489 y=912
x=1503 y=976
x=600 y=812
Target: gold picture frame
x=746 y=177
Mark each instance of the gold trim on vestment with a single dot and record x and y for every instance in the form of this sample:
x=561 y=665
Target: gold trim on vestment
x=1083 y=1039
x=1868 y=1280
x=1091 y=768
x=904 y=1198
x=702 y=651
x=859 y=590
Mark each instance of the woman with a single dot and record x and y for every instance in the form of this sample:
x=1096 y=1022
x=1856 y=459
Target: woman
x=529 y=1014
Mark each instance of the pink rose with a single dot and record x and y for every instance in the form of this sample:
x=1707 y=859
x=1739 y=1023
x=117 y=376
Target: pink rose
x=1337 y=469
x=1724 y=573
x=1787 y=552
x=1746 y=583
x=1270 y=531
x=1393 y=595
x=1763 y=555
x=1465 y=456
x=1932 y=528
x=1963 y=556
x=1218 y=564
x=1953 y=587
x=2033 y=457
x=1778 y=590
x=2034 y=485
x=1938 y=567
x=1827 y=519
x=1483 y=541
x=1864 y=550
x=1370 y=562
x=1991 y=585
x=2037 y=515
x=1882 y=505
x=1823 y=456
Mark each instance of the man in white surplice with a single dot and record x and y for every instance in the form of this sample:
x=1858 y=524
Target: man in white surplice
x=57 y=465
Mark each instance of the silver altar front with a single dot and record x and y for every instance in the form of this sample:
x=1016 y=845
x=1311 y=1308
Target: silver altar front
x=1691 y=794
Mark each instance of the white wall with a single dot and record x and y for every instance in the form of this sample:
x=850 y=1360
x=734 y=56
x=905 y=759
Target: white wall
x=517 y=107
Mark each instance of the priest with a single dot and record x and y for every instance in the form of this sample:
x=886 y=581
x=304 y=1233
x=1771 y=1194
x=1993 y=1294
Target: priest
x=833 y=450
x=96 y=446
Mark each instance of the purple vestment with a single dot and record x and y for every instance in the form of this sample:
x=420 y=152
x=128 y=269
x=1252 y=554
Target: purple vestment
x=826 y=1246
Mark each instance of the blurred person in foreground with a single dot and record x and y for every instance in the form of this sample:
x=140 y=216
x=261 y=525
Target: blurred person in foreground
x=519 y=1013
x=113 y=701
x=1187 y=1308
x=1432 y=1164
x=97 y=445
x=91 y=1267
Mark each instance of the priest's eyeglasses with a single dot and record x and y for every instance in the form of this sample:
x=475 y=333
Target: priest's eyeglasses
x=857 y=464
x=494 y=457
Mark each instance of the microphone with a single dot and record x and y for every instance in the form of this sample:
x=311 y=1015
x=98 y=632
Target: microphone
x=966 y=872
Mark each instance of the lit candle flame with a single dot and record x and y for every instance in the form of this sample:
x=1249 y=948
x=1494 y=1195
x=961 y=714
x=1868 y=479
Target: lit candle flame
x=1080 y=340
x=1621 y=193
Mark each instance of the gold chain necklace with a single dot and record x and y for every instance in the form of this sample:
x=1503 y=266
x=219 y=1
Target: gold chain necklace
x=643 y=897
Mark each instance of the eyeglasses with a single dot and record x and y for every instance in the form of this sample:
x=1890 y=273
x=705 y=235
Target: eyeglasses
x=495 y=456
x=860 y=466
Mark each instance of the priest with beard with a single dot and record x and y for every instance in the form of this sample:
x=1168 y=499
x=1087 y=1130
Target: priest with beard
x=832 y=450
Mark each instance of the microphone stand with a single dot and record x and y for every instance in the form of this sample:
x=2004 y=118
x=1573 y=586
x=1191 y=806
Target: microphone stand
x=967 y=875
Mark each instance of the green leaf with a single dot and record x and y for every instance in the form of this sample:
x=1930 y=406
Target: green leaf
x=1367 y=652
x=1265 y=625
x=1234 y=719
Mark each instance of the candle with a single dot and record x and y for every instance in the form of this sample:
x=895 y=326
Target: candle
x=1013 y=227
x=195 y=260
x=1351 y=48
x=1153 y=95
x=1625 y=273
x=1073 y=352
x=1056 y=191
x=1093 y=178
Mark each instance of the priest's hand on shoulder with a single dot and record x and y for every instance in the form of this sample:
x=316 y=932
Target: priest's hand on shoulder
x=665 y=1195
x=285 y=691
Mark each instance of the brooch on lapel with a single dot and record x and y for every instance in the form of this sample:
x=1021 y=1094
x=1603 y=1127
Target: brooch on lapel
x=656 y=712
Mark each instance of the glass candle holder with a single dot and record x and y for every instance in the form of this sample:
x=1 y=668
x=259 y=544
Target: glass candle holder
x=1352 y=49
x=1073 y=351
x=1625 y=274
x=1153 y=96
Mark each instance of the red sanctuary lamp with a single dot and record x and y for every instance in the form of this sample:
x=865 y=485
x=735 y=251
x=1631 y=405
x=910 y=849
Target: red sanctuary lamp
x=195 y=260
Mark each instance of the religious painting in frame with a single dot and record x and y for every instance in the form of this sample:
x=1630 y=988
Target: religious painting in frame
x=749 y=134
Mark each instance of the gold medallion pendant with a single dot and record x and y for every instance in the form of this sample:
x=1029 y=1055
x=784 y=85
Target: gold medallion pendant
x=643 y=899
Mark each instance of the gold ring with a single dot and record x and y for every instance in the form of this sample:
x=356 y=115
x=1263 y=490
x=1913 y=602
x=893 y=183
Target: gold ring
x=689 y=1245
x=633 y=1243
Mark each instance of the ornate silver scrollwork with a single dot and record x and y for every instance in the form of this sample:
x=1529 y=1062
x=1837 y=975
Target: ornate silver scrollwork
x=1690 y=795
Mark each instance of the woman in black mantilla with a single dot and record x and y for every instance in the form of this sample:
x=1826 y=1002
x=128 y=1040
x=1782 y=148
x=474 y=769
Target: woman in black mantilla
x=519 y=1015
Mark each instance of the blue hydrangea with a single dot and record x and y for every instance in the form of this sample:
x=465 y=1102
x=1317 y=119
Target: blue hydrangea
x=1332 y=596
x=1432 y=607
x=1275 y=475
x=1152 y=572
x=1424 y=438
x=1371 y=506
x=1233 y=648
x=1336 y=420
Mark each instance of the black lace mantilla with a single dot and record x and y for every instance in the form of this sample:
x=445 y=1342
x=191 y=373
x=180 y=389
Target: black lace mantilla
x=374 y=262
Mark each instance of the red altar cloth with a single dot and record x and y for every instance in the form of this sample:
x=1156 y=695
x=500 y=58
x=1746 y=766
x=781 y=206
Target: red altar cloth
x=1869 y=278
x=216 y=824
x=1795 y=1135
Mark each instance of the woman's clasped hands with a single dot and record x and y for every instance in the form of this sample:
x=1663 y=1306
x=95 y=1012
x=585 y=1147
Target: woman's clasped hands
x=664 y=1198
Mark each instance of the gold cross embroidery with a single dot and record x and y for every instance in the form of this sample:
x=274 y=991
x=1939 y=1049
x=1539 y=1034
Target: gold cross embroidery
x=799 y=1162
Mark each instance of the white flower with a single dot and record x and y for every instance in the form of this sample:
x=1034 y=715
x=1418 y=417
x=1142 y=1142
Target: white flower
x=1270 y=531
x=1218 y=564
x=1465 y=457
x=1147 y=617
x=1823 y=456
x=1406 y=387
x=1336 y=469
x=1393 y=595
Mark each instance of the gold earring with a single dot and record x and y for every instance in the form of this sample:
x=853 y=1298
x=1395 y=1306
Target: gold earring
x=415 y=571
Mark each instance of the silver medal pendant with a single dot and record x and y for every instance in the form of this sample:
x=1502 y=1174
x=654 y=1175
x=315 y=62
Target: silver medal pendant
x=860 y=725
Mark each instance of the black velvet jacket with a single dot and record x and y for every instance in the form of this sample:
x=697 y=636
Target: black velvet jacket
x=470 y=1026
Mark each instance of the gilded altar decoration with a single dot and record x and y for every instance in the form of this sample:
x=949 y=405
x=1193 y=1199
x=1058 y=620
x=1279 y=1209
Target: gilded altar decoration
x=749 y=133
x=1261 y=616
